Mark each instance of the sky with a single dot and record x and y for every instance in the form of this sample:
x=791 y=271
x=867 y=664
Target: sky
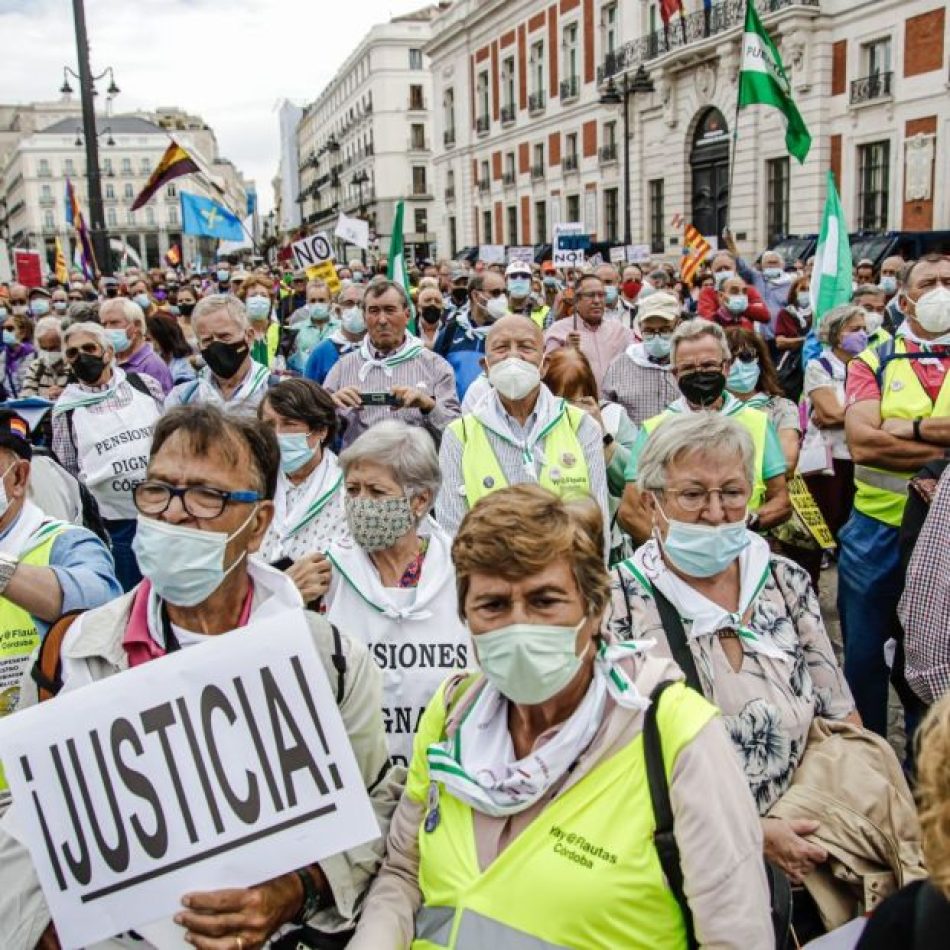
x=229 y=61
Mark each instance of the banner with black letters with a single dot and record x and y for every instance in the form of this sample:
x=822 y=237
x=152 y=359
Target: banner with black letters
x=221 y=765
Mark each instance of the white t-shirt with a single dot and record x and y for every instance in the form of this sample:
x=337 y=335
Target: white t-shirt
x=818 y=377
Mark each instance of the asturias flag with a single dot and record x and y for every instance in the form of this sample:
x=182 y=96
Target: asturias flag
x=209 y=218
x=831 y=276
x=763 y=81
x=175 y=163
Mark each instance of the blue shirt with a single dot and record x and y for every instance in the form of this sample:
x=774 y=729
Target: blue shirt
x=323 y=357
x=464 y=355
x=84 y=568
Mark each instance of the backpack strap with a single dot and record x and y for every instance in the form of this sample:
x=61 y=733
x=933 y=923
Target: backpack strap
x=139 y=384
x=676 y=637
x=47 y=670
x=446 y=337
x=339 y=663
x=664 y=838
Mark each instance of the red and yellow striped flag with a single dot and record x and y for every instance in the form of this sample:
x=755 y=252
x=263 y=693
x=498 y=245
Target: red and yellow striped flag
x=60 y=270
x=698 y=247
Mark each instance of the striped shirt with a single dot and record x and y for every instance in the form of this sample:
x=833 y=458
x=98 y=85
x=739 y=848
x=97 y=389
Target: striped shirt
x=644 y=391
x=426 y=371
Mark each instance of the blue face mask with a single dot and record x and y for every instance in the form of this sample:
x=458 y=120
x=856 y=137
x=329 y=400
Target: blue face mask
x=142 y=300
x=737 y=303
x=743 y=376
x=700 y=550
x=611 y=294
x=196 y=571
x=772 y=273
x=4 y=313
x=295 y=451
x=804 y=299
x=258 y=308
x=320 y=312
x=657 y=346
x=550 y=282
x=222 y=276
x=888 y=284
x=119 y=340
x=9 y=338
x=39 y=307
x=519 y=287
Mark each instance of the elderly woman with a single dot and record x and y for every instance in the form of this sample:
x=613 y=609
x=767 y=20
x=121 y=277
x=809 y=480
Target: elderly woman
x=393 y=585
x=744 y=625
x=17 y=353
x=508 y=832
x=844 y=333
x=102 y=430
x=257 y=293
x=47 y=375
x=308 y=503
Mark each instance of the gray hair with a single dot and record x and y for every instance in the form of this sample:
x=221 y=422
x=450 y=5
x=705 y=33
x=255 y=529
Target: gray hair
x=379 y=285
x=227 y=302
x=701 y=433
x=130 y=310
x=94 y=330
x=693 y=330
x=781 y=259
x=80 y=311
x=864 y=290
x=832 y=323
x=48 y=325
x=407 y=451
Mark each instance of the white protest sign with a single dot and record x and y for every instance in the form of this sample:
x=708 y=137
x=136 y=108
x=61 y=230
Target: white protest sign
x=222 y=765
x=491 y=253
x=312 y=250
x=617 y=255
x=596 y=260
x=638 y=253
x=353 y=231
x=567 y=258
x=524 y=255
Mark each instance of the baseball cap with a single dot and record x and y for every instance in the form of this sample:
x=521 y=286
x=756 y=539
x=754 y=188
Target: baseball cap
x=519 y=268
x=15 y=434
x=659 y=304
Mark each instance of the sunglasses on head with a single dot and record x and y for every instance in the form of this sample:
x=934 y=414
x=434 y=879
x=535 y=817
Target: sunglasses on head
x=746 y=356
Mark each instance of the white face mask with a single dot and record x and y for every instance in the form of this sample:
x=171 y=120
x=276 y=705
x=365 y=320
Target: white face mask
x=514 y=378
x=4 y=501
x=932 y=311
x=50 y=357
x=873 y=321
x=496 y=307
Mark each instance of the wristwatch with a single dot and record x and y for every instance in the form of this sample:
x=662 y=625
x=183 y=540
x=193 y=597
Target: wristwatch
x=918 y=435
x=8 y=565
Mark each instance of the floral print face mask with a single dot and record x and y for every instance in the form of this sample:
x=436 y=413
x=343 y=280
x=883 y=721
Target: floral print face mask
x=378 y=523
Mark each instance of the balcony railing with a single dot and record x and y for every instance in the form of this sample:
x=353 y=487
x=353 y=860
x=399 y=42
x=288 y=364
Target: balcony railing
x=508 y=114
x=450 y=194
x=481 y=124
x=536 y=102
x=47 y=201
x=448 y=138
x=569 y=163
x=570 y=88
x=484 y=185
x=418 y=145
x=608 y=153
x=508 y=179
x=537 y=172
x=869 y=88
x=693 y=28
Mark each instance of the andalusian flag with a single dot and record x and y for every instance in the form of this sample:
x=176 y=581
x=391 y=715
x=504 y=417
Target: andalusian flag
x=763 y=82
x=396 y=269
x=60 y=270
x=831 y=277
x=175 y=163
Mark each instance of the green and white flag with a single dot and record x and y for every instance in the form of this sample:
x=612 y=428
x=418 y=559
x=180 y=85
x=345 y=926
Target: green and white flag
x=396 y=269
x=763 y=82
x=831 y=276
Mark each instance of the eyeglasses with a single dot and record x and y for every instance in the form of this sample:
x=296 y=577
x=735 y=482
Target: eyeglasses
x=657 y=334
x=152 y=498
x=497 y=292
x=90 y=349
x=696 y=499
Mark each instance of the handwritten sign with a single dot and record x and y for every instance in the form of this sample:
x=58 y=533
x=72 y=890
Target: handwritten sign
x=222 y=765
x=312 y=250
x=491 y=253
x=807 y=509
x=524 y=255
x=327 y=273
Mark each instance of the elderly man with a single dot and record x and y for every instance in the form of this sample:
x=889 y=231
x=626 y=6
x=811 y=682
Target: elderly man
x=613 y=308
x=47 y=375
x=213 y=476
x=231 y=377
x=124 y=323
x=640 y=379
x=601 y=341
x=864 y=271
x=897 y=418
x=346 y=337
x=872 y=300
x=519 y=432
x=310 y=325
x=392 y=372
x=102 y=429
x=892 y=269
x=47 y=567
x=701 y=360
x=726 y=264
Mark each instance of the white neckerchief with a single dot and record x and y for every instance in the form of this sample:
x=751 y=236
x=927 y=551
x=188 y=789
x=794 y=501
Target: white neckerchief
x=730 y=405
x=709 y=618
x=409 y=349
x=23 y=530
x=255 y=378
x=356 y=569
x=472 y=330
x=274 y=592
x=478 y=765
x=548 y=409
x=318 y=491
x=76 y=395
x=638 y=353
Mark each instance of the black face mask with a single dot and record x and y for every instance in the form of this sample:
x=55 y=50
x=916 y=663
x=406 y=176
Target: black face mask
x=185 y=309
x=224 y=359
x=459 y=297
x=431 y=314
x=702 y=388
x=112 y=292
x=88 y=368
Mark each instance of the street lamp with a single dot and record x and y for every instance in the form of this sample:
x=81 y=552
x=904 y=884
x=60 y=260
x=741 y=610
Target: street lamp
x=87 y=90
x=612 y=96
x=360 y=179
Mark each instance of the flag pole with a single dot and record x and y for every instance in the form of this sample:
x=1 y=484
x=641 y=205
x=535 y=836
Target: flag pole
x=732 y=162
